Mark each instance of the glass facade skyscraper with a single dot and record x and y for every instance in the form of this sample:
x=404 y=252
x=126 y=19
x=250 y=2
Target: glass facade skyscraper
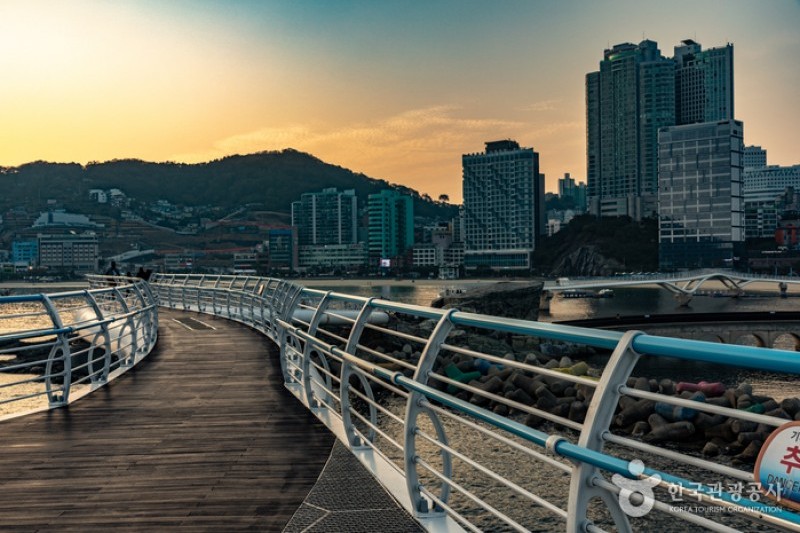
x=703 y=83
x=627 y=101
x=635 y=93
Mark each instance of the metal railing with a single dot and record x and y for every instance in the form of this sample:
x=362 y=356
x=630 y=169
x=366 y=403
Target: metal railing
x=56 y=348
x=471 y=422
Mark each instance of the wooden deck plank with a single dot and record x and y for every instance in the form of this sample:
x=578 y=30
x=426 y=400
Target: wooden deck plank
x=202 y=436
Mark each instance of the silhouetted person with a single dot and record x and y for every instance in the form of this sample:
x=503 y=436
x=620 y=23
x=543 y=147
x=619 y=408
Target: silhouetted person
x=113 y=270
x=143 y=274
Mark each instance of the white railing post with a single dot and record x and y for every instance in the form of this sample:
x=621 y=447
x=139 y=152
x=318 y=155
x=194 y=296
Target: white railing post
x=353 y=439
x=414 y=408
x=279 y=334
x=61 y=345
x=308 y=369
x=106 y=342
x=598 y=420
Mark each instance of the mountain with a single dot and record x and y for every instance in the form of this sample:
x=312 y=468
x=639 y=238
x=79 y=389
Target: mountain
x=274 y=179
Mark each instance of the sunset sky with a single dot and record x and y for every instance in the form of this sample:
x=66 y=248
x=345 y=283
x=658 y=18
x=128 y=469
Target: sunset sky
x=397 y=90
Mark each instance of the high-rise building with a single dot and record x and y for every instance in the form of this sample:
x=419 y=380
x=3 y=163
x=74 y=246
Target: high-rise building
x=504 y=211
x=390 y=225
x=755 y=157
x=326 y=217
x=567 y=188
x=627 y=101
x=635 y=93
x=703 y=83
x=701 y=205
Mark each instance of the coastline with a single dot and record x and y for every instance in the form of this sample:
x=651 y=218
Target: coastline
x=770 y=287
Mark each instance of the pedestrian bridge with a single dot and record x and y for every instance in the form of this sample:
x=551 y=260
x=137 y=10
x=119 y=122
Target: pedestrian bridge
x=462 y=418
x=683 y=285
x=773 y=329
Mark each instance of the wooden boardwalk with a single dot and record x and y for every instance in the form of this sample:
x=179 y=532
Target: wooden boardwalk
x=201 y=436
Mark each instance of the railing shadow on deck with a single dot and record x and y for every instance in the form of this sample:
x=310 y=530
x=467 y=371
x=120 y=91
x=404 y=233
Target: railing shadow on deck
x=449 y=410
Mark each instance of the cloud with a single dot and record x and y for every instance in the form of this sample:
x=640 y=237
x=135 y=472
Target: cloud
x=543 y=105
x=427 y=131
x=420 y=147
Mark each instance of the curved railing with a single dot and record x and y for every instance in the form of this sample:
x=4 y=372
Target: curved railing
x=56 y=348
x=480 y=422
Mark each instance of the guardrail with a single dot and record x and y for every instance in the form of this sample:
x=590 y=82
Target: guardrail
x=469 y=425
x=56 y=348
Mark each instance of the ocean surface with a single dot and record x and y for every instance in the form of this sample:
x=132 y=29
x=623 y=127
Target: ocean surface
x=631 y=301
x=638 y=301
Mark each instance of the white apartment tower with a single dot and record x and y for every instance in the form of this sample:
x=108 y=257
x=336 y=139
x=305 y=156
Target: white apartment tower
x=504 y=211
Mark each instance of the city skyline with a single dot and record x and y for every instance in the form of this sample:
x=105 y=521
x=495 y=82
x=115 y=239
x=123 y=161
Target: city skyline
x=394 y=90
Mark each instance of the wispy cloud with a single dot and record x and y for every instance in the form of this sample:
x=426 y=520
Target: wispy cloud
x=420 y=147
x=542 y=105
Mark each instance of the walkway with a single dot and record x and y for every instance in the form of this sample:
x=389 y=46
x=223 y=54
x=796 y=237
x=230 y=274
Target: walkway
x=202 y=436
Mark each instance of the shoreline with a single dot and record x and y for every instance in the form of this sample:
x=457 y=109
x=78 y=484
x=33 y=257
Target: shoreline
x=761 y=287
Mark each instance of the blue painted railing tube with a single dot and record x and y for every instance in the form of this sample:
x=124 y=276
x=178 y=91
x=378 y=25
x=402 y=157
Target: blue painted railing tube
x=591 y=337
x=769 y=359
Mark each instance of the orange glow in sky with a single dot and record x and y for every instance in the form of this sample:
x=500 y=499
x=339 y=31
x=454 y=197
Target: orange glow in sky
x=394 y=89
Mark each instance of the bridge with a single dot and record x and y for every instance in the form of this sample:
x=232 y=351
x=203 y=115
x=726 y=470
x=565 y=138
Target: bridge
x=683 y=285
x=773 y=329
x=461 y=418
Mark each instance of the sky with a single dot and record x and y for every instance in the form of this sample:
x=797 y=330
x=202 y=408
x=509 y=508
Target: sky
x=396 y=89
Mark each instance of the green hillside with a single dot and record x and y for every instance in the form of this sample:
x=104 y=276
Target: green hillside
x=273 y=179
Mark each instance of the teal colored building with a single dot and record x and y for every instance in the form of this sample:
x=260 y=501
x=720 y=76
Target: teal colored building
x=390 y=226
x=25 y=252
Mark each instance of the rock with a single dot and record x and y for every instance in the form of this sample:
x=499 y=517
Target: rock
x=501 y=409
x=743 y=426
x=640 y=429
x=577 y=411
x=520 y=396
x=558 y=387
x=708 y=389
x=749 y=455
x=533 y=421
x=671 y=432
x=779 y=413
x=722 y=431
x=743 y=401
x=584 y=392
x=791 y=406
x=634 y=413
x=711 y=449
x=504 y=299
x=656 y=421
x=546 y=400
